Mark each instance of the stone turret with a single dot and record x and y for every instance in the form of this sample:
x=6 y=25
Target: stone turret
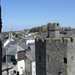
x=53 y=30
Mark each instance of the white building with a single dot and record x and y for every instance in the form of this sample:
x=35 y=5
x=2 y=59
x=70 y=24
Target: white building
x=28 y=40
x=15 y=52
x=30 y=64
x=30 y=61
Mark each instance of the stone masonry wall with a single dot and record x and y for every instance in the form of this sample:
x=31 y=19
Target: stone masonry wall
x=71 y=58
x=56 y=51
x=55 y=55
x=40 y=49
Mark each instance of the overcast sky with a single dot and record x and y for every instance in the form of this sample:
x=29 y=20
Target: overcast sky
x=25 y=14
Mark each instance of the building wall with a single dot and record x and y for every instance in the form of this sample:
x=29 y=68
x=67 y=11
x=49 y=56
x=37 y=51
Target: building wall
x=21 y=63
x=40 y=51
x=56 y=51
x=53 y=55
x=29 y=41
x=71 y=58
x=28 y=66
x=33 y=68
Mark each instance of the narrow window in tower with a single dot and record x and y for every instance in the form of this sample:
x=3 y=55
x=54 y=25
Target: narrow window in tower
x=65 y=60
x=39 y=58
x=57 y=49
x=71 y=57
x=57 y=24
x=47 y=57
x=71 y=39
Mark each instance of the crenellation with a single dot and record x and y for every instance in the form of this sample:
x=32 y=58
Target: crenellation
x=36 y=39
x=53 y=26
x=42 y=39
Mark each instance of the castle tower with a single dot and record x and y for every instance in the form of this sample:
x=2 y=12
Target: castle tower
x=56 y=57
x=53 y=30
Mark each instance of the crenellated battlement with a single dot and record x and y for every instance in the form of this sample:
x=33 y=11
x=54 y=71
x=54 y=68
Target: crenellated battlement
x=40 y=39
x=53 y=26
x=60 y=40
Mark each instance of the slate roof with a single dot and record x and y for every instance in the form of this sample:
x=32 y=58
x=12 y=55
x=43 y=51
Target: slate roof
x=24 y=46
x=29 y=38
x=13 y=49
x=11 y=43
x=21 y=44
x=3 y=39
x=31 y=54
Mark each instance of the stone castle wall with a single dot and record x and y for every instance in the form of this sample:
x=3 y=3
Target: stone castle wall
x=55 y=56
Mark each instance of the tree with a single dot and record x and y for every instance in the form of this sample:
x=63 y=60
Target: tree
x=21 y=34
x=14 y=33
x=16 y=36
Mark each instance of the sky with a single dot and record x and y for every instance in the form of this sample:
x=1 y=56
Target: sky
x=26 y=14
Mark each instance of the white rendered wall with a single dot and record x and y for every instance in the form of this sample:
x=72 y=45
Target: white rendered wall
x=29 y=41
x=33 y=68
x=21 y=64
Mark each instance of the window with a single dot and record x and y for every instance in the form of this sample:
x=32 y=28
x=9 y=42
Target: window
x=28 y=47
x=28 y=73
x=57 y=24
x=47 y=57
x=40 y=58
x=65 y=60
x=60 y=73
x=57 y=49
x=71 y=39
x=71 y=57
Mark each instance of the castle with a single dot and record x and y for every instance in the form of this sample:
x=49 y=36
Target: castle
x=55 y=55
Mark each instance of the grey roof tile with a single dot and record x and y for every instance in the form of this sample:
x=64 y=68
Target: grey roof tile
x=31 y=56
x=13 y=49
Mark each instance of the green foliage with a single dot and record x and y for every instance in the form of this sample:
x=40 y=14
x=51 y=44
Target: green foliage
x=35 y=34
x=21 y=34
x=42 y=28
x=14 y=33
x=34 y=30
x=16 y=36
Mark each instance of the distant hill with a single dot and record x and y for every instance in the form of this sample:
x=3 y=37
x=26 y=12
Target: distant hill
x=42 y=28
